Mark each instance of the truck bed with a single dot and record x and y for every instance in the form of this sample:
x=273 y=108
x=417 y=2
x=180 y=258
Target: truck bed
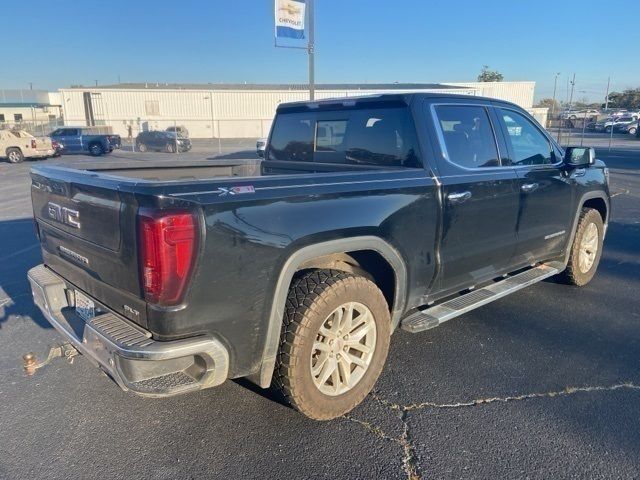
x=169 y=170
x=172 y=170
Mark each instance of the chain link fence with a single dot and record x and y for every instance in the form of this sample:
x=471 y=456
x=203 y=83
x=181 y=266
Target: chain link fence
x=37 y=128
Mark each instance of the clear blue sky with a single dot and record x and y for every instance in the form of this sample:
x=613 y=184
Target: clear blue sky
x=56 y=44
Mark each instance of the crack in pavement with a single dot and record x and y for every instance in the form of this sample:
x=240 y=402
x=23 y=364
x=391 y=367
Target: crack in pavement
x=514 y=398
x=409 y=462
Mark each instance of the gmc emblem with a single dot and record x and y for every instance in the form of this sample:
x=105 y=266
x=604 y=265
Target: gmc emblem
x=64 y=215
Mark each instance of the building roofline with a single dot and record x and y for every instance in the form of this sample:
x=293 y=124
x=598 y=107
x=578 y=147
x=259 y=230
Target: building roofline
x=26 y=105
x=269 y=87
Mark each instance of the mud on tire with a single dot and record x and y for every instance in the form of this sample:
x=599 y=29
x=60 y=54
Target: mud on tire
x=313 y=299
x=577 y=273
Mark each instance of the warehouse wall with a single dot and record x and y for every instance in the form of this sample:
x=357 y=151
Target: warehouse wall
x=520 y=93
x=226 y=113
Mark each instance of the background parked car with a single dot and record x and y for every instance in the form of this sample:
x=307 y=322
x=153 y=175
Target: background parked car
x=181 y=130
x=600 y=125
x=161 y=142
x=57 y=148
x=618 y=123
x=85 y=140
x=16 y=145
x=619 y=113
x=574 y=115
x=261 y=144
x=631 y=128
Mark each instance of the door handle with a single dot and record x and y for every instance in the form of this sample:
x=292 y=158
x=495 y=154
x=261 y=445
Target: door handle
x=529 y=187
x=460 y=197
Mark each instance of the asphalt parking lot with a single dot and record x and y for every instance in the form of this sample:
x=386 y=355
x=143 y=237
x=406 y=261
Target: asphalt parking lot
x=542 y=384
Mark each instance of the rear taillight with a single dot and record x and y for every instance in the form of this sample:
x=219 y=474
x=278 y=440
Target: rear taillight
x=33 y=143
x=168 y=244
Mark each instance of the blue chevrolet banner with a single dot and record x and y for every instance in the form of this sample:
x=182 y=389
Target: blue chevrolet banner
x=289 y=18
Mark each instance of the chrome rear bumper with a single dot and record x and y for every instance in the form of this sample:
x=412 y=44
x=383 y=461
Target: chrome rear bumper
x=126 y=352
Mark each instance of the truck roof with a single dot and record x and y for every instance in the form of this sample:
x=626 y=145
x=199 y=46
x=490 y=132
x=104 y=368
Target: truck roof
x=405 y=98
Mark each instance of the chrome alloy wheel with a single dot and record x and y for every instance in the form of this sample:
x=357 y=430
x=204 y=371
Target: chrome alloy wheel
x=14 y=157
x=588 y=248
x=343 y=348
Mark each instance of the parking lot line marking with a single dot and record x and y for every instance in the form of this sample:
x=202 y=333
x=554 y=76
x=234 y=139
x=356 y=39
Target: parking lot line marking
x=19 y=252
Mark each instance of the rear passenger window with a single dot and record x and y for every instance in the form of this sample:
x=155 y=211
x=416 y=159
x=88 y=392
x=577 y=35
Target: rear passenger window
x=292 y=138
x=330 y=135
x=369 y=136
x=529 y=145
x=384 y=136
x=468 y=135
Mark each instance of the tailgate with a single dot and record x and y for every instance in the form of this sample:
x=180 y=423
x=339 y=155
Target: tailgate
x=87 y=234
x=43 y=144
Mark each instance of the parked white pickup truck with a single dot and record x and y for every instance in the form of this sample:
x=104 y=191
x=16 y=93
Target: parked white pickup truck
x=16 y=145
x=575 y=114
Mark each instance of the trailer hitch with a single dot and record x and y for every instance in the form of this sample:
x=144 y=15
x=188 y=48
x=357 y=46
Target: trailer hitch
x=31 y=364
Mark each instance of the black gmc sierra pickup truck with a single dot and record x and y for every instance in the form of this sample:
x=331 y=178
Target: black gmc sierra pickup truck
x=366 y=214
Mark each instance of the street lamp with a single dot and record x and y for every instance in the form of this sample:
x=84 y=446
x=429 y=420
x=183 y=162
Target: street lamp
x=555 y=86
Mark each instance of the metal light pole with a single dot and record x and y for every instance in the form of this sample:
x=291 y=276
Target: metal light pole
x=555 y=86
x=573 y=86
x=553 y=102
x=310 y=48
x=606 y=97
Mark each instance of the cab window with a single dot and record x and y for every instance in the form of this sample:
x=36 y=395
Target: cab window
x=528 y=144
x=468 y=135
x=380 y=136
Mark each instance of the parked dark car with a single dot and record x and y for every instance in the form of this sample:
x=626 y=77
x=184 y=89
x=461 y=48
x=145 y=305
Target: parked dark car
x=261 y=145
x=631 y=128
x=159 y=141
x=181 y=130
x=367 y=214
x=84 y=140
x=620 y=123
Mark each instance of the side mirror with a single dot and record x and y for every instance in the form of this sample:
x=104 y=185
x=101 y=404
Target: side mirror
x=579 y=156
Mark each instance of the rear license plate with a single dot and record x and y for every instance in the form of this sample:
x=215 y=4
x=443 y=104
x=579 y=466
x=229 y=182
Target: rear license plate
x=85 y=307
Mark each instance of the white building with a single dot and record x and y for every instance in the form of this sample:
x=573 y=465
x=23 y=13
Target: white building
x=234 y=111
x=33 y=110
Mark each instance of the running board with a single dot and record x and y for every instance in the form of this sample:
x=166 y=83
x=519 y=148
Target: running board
x=434 y=316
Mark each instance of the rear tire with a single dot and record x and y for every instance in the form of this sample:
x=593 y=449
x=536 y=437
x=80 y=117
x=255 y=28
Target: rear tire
x=142 y=147
x=633 y=131
x=14 y=155
x=334 y=342
x=586 y=249
x=95 y=149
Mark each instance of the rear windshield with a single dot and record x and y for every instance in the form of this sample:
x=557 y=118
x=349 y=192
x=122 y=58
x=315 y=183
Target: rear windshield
x=372 y=136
